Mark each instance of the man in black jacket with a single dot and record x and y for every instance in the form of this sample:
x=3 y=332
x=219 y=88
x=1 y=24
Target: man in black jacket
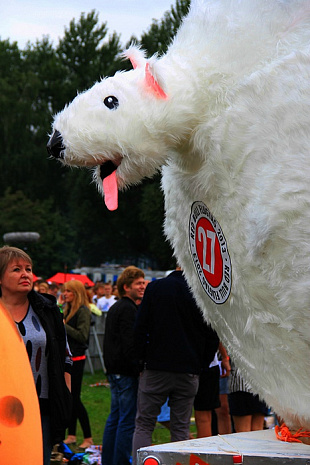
x=173 y=342
x=122 y=368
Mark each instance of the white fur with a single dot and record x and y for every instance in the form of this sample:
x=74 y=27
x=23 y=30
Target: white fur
x=234 y=134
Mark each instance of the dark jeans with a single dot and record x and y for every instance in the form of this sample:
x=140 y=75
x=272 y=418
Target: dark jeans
x=120 y=425
x=47 y=439
x=78 y=410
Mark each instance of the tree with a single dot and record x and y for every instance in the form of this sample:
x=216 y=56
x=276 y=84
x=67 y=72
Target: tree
x=25 y=106
x=152 y=217
x=84 y=54
x=13 y=108
x=55 y=248
x=160 y=34
x=102 y=235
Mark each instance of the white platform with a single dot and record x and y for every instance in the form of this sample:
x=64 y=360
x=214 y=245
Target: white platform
x=255 y=448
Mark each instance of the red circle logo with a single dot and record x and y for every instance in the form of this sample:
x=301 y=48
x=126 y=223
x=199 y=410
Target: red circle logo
x=209 y=252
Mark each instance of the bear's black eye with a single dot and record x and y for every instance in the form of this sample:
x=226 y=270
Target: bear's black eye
x=111 y=102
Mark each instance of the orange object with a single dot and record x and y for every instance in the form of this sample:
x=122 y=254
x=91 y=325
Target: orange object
x=61 y=278
x=284 y=434
x=20 y=425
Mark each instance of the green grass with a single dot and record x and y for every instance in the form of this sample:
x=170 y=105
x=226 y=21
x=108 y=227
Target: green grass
x=97 y=403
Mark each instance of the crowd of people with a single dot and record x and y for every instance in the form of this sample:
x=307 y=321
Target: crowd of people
x=162 y=359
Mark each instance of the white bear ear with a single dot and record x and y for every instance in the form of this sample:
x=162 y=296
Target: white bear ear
x=136 y=56
x=138 y=60
x=152 y=83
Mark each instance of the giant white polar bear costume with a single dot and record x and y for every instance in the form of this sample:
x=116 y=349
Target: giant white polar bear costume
x=227 y=113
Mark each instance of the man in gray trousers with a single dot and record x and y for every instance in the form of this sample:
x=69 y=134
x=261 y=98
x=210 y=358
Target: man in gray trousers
x=172 y=343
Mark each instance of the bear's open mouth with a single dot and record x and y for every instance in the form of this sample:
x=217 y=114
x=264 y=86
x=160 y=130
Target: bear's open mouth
x=107 y=168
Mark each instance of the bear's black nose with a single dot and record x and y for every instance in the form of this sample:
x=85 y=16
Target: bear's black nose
x=55 y=145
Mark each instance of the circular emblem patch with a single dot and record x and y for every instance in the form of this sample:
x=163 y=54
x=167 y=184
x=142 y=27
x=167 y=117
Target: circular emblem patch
x=210 y=254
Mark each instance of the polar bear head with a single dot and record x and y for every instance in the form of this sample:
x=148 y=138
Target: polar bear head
x=122 y=127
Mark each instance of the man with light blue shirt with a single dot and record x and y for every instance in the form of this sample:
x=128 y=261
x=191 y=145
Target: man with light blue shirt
x=107 y=300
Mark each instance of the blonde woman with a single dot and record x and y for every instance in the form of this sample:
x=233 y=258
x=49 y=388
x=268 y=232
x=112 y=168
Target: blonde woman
x=77 y=317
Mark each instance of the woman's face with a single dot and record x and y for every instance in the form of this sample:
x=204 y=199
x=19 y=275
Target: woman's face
x=68 y=296
x=17 y=278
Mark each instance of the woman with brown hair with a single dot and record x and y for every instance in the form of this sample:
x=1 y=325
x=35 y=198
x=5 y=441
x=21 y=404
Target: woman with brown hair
x=41 y=327
x=77 y=317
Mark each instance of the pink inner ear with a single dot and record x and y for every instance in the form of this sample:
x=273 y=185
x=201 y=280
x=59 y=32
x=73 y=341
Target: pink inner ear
x=153 y=84
x=133 y=62
x=135 y=56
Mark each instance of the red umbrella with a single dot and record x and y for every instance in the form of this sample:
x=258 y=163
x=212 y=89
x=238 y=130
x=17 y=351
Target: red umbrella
x=61 y=278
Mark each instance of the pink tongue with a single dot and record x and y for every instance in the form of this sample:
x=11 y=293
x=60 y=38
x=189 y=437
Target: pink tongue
x=110 y=191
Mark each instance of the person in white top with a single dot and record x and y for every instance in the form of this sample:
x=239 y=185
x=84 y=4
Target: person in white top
x=105 y=302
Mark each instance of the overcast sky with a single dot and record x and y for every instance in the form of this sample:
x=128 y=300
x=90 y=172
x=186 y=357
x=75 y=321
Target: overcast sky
x=23 y=20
